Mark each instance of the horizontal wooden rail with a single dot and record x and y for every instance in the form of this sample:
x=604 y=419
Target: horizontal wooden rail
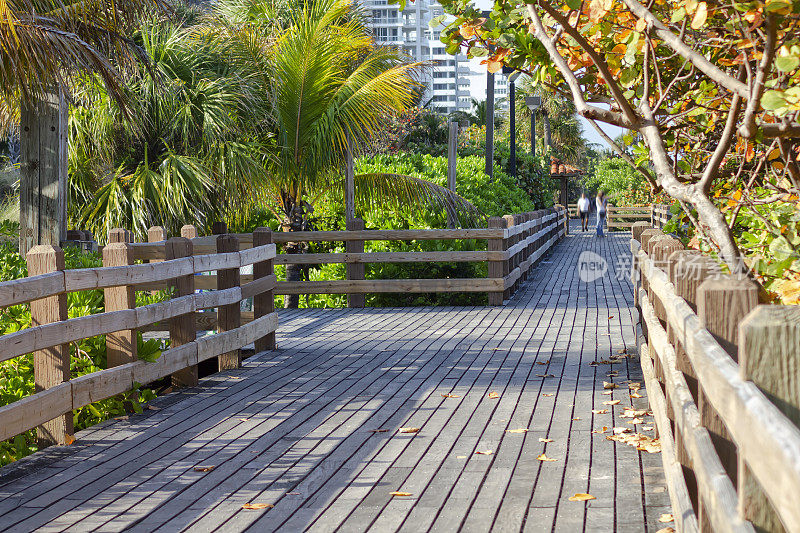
x=709 y=397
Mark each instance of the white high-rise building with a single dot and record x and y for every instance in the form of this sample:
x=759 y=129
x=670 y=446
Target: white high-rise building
x=448 y=80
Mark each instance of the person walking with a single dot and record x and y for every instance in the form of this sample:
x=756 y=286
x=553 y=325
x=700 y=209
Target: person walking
x=583 y=211
x=601 y=202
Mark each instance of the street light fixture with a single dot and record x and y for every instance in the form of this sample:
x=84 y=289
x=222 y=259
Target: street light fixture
x=512 y=74
x=533 y=103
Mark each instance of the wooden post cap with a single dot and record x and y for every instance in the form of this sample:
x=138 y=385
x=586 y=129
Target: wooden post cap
x=638 y=227
x=118 y=235
x=156 y=234
x=189 y=232
x=647 y=234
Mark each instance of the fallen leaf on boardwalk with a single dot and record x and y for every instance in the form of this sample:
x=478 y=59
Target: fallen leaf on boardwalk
x=605 y=428
x=70 y=439
x=450 y=396
x=636 y=421
x=624 y=350
x=609 y=385
x=545 y=375
x=547 y=394
x=125 y=417
x=611 y=402
x=620 y=430
x=244 y=419
x=493 y=395
x=543 y=457
x=636 y=395
x=647 y=428
x=581 y=497
x=633 y=413
x=484 y=452
x=153 y=408
x=608 y=392
x=543 y=362
x=257 y=506
x=612 y=316
x=203 y=468
x=520 y=430
x=576 y=418
x=408 y=430
x=599 y=411
x=666 y=530
x=613 y=373
x=634 y=386
x=666 y=517
x=637 y=440
x=542 y=439
x=461 y=457
x=398 y=493
x=382 y=430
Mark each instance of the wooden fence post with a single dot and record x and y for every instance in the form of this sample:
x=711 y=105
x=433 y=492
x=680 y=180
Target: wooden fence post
x=121 y=346
x=219 y=228
x=637 y=228
x=229 y=316
x=355 y=271
x=769 y=356
x=452 y=159
x=183 y=328
x=189 y=232
x=156 y=234
x=511 y=262
x=721 y=304
x=264 y=303
x=51 y=365
x=496 y=266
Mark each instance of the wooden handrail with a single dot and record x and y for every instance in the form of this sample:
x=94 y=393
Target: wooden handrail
x=767 y=440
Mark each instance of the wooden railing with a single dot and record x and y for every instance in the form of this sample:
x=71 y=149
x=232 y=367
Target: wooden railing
x=58 y=393
x=660 y=215
x=515 y=244
x=623 y=217
x=723 y=380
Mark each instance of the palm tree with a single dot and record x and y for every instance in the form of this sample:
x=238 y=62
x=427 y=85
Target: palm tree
x=477 y=114
x=329 y=83
x=44 y=46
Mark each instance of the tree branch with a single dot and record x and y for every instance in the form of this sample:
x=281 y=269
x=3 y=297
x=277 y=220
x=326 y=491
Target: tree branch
x=748 y=128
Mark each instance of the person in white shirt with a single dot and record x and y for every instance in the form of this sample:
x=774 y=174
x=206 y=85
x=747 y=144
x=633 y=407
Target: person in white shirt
x=601 y=202
x=583 y=211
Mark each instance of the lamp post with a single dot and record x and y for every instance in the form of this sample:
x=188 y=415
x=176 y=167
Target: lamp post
x=512 y=74
x=533 y=103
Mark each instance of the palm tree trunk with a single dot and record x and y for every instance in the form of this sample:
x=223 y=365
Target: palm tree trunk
x=295 y=221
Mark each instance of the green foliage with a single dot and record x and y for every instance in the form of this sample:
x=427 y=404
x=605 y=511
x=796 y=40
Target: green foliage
x=621 y=182
x=86 y=356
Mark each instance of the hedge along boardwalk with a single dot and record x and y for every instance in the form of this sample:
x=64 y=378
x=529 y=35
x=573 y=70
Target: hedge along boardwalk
x=293 y=427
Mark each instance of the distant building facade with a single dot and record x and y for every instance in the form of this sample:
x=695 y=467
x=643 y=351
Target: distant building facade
x=448 y=80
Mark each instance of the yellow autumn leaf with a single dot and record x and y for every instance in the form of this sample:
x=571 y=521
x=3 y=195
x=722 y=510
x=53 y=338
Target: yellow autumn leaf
x=599 y=411
x=641 y=25
x=399 y=493
x=609 y=385
x=700 y=16
x=450 y=396
x=581 y=497
x=611 y=402
x=203 y=468
x=520 y=430
x=666 y=517
x=492 y=395
x=542 y=439
x=253 y=506
x=408 y=430
x=484 y=452
x=543 y=457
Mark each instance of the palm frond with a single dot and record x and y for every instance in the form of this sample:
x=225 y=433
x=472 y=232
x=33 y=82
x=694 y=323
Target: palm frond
x=377 y=191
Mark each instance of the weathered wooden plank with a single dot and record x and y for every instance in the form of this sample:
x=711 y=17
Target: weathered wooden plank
x=20 y=291
x=388 y=285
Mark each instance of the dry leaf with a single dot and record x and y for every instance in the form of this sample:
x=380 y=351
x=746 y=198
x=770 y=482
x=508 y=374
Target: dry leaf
x=484 y=452
x=605 y=428
x=634 y=386
x=257 y=506
x=576 y=418
x=636 y=395
x=543 y=362
x=647 y=428
x=542 y=439
x=599 y=411
x=461 y=456
x=520 y=430
x=636 y=421
x=153 y=408
x=611 y=402
x=493 y=395
x=398 y=493
x=124 y=417
x=609 y=385
x=383 y=430
x=608 y=393
x=408 y=430
x=620 y=430
x=612 y=316
x=70 y=439
x=244 y=419
x=203 y=468
x=581 y=497
x=450 y=396
x=547 y=394
x=666 y=517
x=666 y=530
x=545 y=375
x=543 y=457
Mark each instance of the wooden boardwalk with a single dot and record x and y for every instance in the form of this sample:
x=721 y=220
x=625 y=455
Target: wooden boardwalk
x=294 y=428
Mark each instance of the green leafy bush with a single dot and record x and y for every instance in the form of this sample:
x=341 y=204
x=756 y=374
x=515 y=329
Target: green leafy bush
x=86 y=356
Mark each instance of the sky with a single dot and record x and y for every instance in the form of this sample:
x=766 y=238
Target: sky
x=478 y=91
